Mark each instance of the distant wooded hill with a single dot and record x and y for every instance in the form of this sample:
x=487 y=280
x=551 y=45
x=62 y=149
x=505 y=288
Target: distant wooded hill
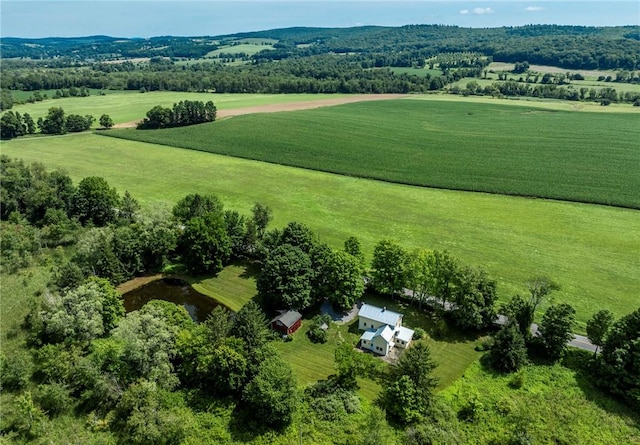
x=570 y=47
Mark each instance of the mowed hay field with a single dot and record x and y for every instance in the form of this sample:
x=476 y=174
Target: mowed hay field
x=527 y=151
x=127 y=106
x=591 y=250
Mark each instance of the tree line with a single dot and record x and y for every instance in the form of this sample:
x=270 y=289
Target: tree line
x=56 y=122
x=511 y=88
x=183 y=113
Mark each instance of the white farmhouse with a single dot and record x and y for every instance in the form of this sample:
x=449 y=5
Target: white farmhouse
x=383 y=329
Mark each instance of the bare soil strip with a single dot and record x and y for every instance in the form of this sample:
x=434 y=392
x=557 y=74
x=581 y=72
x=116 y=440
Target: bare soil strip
x=291 y=106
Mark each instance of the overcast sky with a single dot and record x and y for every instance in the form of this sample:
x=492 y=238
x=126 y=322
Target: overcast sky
x=146 y=18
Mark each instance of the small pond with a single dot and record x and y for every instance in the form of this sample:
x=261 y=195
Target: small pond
x=175 y=291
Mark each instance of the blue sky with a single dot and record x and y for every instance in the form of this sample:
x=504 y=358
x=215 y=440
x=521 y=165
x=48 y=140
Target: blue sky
x=146 y=18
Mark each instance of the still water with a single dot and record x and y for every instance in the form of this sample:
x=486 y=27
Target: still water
x=174 y=290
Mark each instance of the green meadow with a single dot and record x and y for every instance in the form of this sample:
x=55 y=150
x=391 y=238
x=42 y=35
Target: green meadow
x=586 y=157
x=130 y=106
x=555 y=404
x=590 y=250
x=244 y=47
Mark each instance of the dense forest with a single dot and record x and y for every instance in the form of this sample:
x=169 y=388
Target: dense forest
x=312 y=60
x=571 y=47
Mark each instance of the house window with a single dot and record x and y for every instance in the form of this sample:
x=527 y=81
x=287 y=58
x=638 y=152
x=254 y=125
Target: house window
x=365 y=325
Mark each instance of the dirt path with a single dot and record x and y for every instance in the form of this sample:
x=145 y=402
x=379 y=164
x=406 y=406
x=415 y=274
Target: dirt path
x=291 y=106
x=137 y=282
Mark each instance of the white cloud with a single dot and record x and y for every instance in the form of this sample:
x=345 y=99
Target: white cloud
x=481 y=11
x=533 y=8
x=477 y=11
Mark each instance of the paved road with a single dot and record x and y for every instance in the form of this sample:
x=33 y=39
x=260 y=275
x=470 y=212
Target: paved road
x=579 y=341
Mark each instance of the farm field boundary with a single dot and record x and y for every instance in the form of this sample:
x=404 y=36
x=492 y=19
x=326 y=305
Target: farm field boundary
x=127 y=106
x=584 y=157
x=590 y=250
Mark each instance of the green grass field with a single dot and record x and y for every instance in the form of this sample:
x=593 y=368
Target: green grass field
x=132 y=105
x=591 y=250
x=585 y=157
x=245 y=47
x=621 y=88
x=502 y=66
x=531 y=102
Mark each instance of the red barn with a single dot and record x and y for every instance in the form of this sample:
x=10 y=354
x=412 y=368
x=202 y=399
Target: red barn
x=287 y=322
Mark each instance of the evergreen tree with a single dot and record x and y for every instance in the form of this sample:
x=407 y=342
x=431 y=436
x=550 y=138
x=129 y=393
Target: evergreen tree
x=508 y=353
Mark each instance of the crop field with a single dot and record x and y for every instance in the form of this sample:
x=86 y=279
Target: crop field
x=247 y=48
x=502 y=66
x=586 y=157
x=590 y=250
x=130 y=106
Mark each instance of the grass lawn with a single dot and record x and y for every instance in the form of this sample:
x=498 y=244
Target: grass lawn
x=132 y=105
x=234 y=286
x=451 y=349
x=311 y=362
x=556 y=404
x=587 y=157
x=591 y=250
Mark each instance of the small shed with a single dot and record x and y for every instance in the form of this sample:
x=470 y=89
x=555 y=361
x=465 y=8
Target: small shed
x=287 y=322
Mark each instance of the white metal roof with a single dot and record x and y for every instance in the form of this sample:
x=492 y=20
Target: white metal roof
x=381 y=315
x=404 y=334
x=368 y=335
x=385 y=332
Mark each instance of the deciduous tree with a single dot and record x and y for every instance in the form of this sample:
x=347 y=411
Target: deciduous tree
x=54 y=122
x=556 y=329
x=445 y=270
x=196 y=205
x=95 y=201
x=344 y=281
x=105 y=121
x=205 y=244
x=271 y=396
x=285 y=278
x=474 y=298
x=419 y=274
x=388 y=275
x=620 y=359
x=598 y=327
